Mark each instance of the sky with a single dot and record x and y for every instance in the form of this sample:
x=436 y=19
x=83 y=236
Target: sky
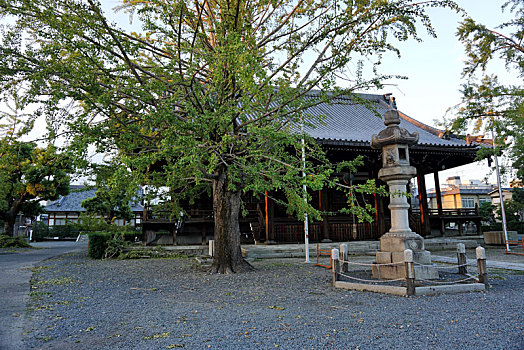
x=434 y=72
x=433 y=68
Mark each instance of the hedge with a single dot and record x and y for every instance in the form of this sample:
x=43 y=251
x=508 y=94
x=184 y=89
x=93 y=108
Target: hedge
x=98 y=244
x=41 y=231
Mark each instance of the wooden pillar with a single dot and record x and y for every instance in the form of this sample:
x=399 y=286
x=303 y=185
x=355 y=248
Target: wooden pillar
x=204 y=233
x=270 y=224
x=460 y=227
x=439 y=203
x=380 y=223
x=266 y=212
x=423 y=204
x=438 y=193
x=271 y=220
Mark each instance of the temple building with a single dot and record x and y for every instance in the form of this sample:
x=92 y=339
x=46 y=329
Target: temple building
x=344 y=134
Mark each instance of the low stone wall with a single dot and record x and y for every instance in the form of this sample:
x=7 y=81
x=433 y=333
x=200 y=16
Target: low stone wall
x=497 y=237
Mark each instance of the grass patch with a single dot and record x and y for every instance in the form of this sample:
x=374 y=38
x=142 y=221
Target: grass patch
x=38 y=295
x=151 y=253
x=157 y=336
x=56 y=281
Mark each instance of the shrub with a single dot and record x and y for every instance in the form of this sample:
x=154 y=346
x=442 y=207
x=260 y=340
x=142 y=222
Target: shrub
x=115 y=245
x=98 y=242
x=13 y=242
x=109 y=244
x=41 y=231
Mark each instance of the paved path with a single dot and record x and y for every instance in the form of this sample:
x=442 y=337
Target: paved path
x=15 y=274
x=489 y=263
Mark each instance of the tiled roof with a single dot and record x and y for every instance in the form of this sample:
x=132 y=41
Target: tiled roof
x=72 y=202
x=349 y=122
x=506 y=189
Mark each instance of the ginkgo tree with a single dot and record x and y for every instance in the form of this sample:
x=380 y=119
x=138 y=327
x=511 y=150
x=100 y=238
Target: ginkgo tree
x=28 y=174
x=205 y=95
x=491 y=104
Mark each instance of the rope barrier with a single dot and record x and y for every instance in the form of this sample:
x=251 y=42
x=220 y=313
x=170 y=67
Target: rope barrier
x=446 y=267
x=373 y=281
x=373 y=264
x=450 y=282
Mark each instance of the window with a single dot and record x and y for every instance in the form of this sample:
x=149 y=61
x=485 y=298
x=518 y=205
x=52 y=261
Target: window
x=468 y=203
x=59 y=222
x=402 y=155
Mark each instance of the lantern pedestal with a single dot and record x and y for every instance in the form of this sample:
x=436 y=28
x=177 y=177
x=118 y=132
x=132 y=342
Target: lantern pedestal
x=390 y=258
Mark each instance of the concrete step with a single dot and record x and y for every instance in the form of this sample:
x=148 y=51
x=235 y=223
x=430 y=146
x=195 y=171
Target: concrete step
x=355 y=248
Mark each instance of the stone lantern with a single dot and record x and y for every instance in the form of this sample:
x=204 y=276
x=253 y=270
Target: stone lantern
x=396 y=172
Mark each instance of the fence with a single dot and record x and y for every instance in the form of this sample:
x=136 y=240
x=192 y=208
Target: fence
x=409 y=284
x=519 y=244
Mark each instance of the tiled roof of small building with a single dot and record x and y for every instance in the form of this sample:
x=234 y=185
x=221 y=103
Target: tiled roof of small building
x=72 y=202
x=352 y=123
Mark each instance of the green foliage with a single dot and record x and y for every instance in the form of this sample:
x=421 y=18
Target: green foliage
x=92 y=223
x=115 y=246
x=489 y=104
x=41 y=231
x=514 y=210
x=206 y=95
x=110 y=244
x=112 y=198
x=13 y=242
x=151 y=253
x=98 y=242
x=29 y=174
x=487 y=212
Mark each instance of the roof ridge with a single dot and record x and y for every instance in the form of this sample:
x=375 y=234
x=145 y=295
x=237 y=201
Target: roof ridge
x=430 y=129
x=375 y=97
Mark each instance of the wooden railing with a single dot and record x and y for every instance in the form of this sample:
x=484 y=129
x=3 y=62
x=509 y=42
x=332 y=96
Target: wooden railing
x=450 y=212
x=286 y=232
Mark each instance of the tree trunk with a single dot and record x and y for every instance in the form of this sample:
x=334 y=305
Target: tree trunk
x=9 y=224
x=226 y=208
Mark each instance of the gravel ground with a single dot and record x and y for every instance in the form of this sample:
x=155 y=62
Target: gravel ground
x=79 y=303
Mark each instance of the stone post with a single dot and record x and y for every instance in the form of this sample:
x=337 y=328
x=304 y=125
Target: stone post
x=481 y=265
x=211 y=247
x=410 y=271
x=344 y=256
x=335 y=264
x=461 y=258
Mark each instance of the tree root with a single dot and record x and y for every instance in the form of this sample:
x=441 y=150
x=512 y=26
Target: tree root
x=240 y=267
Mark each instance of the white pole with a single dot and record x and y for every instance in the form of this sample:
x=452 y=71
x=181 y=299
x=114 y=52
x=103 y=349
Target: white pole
x=306 y=223
x=504 y=225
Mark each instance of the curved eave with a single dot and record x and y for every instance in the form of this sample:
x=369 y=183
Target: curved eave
x=418 y=146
